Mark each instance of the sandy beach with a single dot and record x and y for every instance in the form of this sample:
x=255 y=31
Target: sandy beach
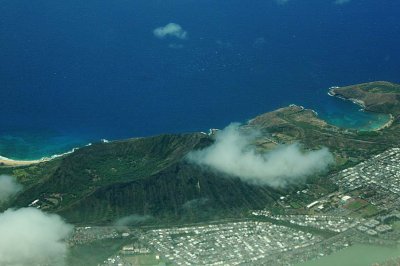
x=386 y=125
x=4 y=161
x=10 y=162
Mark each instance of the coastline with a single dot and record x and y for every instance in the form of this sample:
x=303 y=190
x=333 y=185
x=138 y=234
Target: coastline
x=4 y=161
x=387 y=124
x=332 y=93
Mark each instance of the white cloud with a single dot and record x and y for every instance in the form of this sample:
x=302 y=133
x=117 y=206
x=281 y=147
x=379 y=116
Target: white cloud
x=29 y=236
x=175 y=46
x=337 y=2
x=8 y=187
x=281 y=2
x=341 y=2
x=170 y=30
x=233 y=154
x=260 y=41
x=132 y=220
x=195 y=203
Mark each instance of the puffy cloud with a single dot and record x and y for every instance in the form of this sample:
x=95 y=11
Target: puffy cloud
x=337 y=2
x=175 y=46
x=170 y=30
x=195 y=203
x=233 y=154
x=341 y=2
x=132 y=220
x=281 y=2
x=260 y=41
x=8 y=187
x=32 y=237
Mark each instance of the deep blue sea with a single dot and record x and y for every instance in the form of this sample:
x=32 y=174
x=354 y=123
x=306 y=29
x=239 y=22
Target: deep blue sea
x=73 y=72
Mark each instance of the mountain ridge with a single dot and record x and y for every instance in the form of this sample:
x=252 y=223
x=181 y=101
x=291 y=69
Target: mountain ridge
x=151 y=177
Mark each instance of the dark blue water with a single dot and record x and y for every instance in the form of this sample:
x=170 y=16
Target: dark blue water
x=77 y=71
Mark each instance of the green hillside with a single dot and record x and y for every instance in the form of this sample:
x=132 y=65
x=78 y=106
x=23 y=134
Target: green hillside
x=151 y=177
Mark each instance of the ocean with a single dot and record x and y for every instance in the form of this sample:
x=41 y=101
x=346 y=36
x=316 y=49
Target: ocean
x=74 y=72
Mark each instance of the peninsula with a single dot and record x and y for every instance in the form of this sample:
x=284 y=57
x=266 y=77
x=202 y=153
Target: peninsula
x=192 y=214
x=379 y=96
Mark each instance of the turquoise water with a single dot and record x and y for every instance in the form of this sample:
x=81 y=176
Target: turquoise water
x=356 y=119
x=346 y=114
x=39 y=144
x=366 y=121
x=29 y=145
x=96 y=66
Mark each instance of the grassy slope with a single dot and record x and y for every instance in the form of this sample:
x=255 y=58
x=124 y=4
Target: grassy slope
x=295 y=124
x=379 y=96
x=149 y=176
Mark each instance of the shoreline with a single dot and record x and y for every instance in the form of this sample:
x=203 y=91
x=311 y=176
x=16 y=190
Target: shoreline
x=4 y=161
x=387 y=124
x=332 y=93
x=361 y=103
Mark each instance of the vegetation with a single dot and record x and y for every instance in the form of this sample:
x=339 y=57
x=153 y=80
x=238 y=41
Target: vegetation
x=148 y=176
x=380 y=96
x=151 y=177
